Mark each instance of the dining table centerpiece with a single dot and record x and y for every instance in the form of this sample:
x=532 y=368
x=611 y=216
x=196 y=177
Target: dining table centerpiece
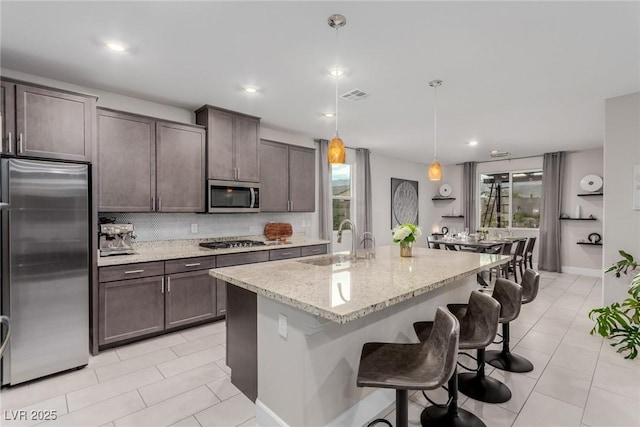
x=406 y=234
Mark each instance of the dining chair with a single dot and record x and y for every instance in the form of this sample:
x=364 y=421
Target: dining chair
x=517 y=259
x=528 y=252
x=502 y=268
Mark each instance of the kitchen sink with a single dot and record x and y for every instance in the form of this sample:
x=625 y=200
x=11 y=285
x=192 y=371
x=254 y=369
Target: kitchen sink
x=328 y=260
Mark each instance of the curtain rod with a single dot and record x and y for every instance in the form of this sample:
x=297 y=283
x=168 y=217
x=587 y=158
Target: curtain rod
x=317 y=141
x=502 y=160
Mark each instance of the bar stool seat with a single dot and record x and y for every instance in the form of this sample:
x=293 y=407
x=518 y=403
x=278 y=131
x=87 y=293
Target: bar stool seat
x=476 y=384
x=478 y=327
x=504 y=359
x=421 y=366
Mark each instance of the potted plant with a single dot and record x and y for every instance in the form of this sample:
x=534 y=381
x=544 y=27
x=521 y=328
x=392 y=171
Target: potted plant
x=406 y=234
x=620 y=321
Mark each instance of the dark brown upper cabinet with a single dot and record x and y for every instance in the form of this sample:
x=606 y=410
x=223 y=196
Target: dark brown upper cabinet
x=287 y=178
x=46 y=123
x=233 y=152
x=146 y=165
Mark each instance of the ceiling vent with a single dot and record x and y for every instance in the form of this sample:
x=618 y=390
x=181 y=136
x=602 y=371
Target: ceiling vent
x=499 y=154
x=354 y=95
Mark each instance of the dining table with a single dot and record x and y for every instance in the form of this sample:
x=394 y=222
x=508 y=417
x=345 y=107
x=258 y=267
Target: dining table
x=472 y=244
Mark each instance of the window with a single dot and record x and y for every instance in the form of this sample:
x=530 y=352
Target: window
x=510 y=199
x=341 y=193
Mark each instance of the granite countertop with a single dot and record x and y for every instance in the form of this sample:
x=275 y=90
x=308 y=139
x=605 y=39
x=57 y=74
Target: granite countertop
x=347 y=291
x=176 y=249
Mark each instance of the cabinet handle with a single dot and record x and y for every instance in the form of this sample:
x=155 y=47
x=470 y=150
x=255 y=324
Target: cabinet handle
x=193 y=264
x=9 y=148
x=292 y=205
x=238 y=174
x=133 y=271
x=168 y=284
x=20 y=143
x=159 y=203
x=153 y=203
x=162 y=286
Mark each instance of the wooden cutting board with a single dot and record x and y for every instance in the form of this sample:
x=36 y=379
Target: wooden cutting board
x=278 y=230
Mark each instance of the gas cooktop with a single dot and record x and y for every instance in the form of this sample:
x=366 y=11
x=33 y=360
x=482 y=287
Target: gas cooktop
x=232 y=244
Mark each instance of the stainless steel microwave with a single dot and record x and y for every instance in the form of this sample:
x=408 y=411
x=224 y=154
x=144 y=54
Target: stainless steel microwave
x=231 y=196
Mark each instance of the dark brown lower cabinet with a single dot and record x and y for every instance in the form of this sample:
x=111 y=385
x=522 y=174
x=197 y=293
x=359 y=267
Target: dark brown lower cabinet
x=190 y=297
x=221 y=286
x=131 y=308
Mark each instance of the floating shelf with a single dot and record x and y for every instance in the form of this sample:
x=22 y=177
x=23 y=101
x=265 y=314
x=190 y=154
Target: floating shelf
x=590 y=194
x=442 y=198
x=589 y=243
x=452 y=216
x=579 y=219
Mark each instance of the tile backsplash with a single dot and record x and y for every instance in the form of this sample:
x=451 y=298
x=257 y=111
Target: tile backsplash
x=150 y=227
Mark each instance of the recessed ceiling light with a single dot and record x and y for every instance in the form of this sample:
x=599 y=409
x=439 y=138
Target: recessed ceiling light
x=116 y=47
x=250 y=89
x=336 y=72
x=473 y=142
x=329 y=115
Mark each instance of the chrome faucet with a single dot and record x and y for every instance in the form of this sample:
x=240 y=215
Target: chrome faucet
x=372 y=239
x=354 y=236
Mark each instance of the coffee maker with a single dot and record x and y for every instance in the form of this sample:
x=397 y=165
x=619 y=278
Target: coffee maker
x=116 y=239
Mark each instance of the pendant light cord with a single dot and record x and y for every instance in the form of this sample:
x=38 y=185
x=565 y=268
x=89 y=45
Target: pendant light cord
x=336 y=77
x=435 y=122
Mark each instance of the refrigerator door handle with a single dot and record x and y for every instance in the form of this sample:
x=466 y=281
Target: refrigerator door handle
x=4 y=205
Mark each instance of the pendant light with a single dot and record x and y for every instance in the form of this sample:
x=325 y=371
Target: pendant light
x=435 y=170
x=337 y=150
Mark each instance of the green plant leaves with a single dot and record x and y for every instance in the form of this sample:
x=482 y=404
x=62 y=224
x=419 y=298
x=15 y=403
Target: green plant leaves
x=628 y=339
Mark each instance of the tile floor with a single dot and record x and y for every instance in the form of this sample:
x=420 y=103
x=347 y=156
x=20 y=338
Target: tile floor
x=181 y=379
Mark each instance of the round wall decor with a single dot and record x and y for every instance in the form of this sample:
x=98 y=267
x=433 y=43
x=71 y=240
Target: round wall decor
x=594 y=238
x=445 y=190
x=591 y=183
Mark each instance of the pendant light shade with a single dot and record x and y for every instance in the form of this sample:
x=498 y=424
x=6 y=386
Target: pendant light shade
x=337 y=149
x=435 y=170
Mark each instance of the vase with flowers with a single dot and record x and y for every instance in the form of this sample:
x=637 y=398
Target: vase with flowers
x=406 y=234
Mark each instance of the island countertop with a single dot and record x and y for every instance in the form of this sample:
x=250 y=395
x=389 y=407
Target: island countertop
x=347 y=291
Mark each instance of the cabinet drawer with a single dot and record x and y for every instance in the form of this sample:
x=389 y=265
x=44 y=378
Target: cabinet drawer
x=287 y=253
x=313 y=250
x=131 y=271
x=239 y=259
x=189 y=264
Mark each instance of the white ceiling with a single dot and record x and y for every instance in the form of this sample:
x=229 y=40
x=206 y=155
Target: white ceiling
x=524 y=77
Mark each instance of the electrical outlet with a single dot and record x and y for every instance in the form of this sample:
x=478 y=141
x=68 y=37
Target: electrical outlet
x=282 y=325
x=194 y=228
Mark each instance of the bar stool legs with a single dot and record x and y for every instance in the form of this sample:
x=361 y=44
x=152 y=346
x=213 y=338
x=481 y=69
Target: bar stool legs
x=480 y=387
x=451 y=415
x=506 y=360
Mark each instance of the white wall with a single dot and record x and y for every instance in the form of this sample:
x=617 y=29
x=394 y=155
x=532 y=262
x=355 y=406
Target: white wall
x=576 y=258
x=621 y=223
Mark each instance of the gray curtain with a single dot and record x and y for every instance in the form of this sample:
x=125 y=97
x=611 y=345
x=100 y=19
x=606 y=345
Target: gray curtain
x=550 y=211
x=363 y=194
x=469 y=196
x=325 y=203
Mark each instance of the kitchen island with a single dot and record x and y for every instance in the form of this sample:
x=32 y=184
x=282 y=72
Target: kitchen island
x=296 y=327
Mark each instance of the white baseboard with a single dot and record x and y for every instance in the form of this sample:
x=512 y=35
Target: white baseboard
x=592 y=272
x=356 y=415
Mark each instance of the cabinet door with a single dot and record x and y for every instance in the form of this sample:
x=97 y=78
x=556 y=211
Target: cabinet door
x=8 y=119
x=247 y=150
x=190 y=298
x=126 y=163
x=274 y=177
x=302 y=179
x=180 y=167
x=130 y=308
x=221 y=295
x=52 y=124
x=220 y=150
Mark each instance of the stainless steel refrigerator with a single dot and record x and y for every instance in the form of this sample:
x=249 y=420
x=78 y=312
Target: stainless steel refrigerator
x=45 y=266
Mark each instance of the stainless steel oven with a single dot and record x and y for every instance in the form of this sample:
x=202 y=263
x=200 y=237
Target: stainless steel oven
x=231 y=196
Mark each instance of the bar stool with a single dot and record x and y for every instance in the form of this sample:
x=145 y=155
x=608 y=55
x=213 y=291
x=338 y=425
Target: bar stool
x=422 y=366
x=476 y=384
x=504 y=359
x=478 y=327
